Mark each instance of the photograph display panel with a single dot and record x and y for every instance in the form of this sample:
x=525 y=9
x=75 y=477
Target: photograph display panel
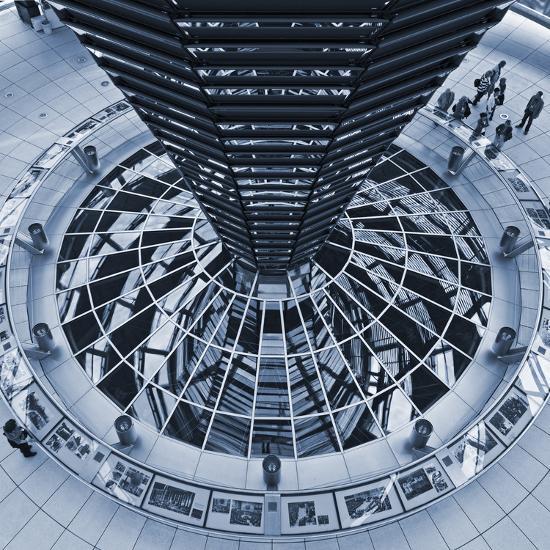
x=534 y=379
x=422 y=484
x=473 y=452
x=75 y=449
x=369 y=503
x=235 y=512
x=35 y=410
x=178 y=501
x=308 y=514
x=7 y=340
x=511 y=415
x=123 y=480
x=14 y=374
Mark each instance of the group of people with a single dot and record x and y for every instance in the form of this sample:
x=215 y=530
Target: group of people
x=493 y=86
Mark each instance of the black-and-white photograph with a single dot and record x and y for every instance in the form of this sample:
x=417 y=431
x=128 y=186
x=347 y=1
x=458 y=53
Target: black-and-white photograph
x=367 y=502
x=171 y=498
x=35 y=410
x=70 y=439
x=513 y=408
x=509 y=413
x=323 y=519
x=14 y=374
x=221 y=505
x=415 y=483
x=518 y=183
x=437 y=478
x=246 y=513
x=301 y=514
x=127 y=478
x=502 y=424
x=134 y=481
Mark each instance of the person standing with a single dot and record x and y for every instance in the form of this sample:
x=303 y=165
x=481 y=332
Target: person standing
x=493 y=101
x=479 y=130
x=18 y=438
x=491 y=104
x=445 y=100
x=532 y=111
x=503 y=134
x=461 y=109
x=497 y=69
x=483 y=84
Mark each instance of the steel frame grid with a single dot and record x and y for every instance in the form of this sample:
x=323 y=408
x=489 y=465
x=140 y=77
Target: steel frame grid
x=192 y=69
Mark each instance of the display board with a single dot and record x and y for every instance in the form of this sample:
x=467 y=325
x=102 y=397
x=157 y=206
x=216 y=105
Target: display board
x=471 y=453
x=308 y=514
x=423 y=483
x=123 y=479
x=366 y=504
x=236 y=512
x=176 y=500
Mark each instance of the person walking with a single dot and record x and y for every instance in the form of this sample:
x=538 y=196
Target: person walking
x=445 y=100
x=18 y=438
x=497 y=69
x=461 y=109
x=483 y=84
x=479 y=130
x=503 y=133
x=532 y=111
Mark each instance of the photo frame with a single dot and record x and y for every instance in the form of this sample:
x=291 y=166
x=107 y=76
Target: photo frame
x=475 y=450
x=175 y=500
x=236 y=512
x=308 y=514
x=75 y=449
x=123 y=479
x=511 y=416
x=15 y=375
x=423 y=483
x=35 y=410
x=368 y=503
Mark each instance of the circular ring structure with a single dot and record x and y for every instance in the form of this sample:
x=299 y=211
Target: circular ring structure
x=408 y=480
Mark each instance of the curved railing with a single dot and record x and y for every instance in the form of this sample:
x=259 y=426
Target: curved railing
x=375 y=501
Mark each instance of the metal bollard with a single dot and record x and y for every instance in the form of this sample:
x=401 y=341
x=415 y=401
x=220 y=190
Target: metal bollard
x=503 y=342
x=422 y=431
x=44 y=338
x=38 y=236
x=125 y=430
x=455 y=158
x=509 y=239
x=271 y=465
x=92 y=160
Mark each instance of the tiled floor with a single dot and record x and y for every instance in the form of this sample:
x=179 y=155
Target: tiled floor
x=47 y=85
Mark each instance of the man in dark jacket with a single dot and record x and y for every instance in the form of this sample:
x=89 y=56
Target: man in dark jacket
x=503 y=134
x=532 y=111
x=17 y=438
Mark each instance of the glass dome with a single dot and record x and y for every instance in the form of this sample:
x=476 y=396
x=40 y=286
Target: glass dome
x=343 y=350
